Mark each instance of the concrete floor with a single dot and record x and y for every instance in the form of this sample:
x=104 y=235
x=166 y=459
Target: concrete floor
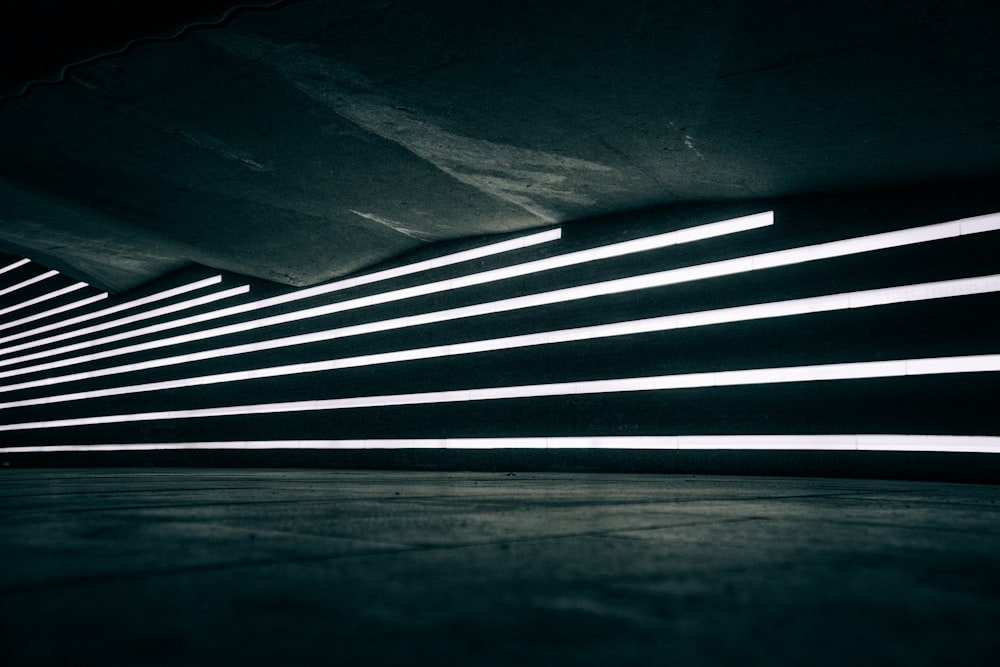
x=214 y=566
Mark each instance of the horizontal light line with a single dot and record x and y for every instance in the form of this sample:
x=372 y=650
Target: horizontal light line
x=929 y=443
x=815 y=373
x=621 y=285
x=943 y=230
x=699 y=232
x=55 y=311
x=826 y=303
x=504 y=246
x=955 y=444
x=190 y=303
x=726 y=226
x=18 y=264
x=418 y=267
x=104 y=313
x=30 y=281
x=44 y=297
x=120 y=322
x=657 y=241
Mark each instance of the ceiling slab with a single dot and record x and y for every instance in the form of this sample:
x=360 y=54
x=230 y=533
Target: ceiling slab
x=315 y=138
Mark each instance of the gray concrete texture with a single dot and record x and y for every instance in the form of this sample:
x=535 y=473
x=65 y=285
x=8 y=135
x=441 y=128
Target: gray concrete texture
x=317 y=138
x=199 y=567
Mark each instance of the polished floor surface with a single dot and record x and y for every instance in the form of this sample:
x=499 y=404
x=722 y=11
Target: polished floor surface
x=288 y=567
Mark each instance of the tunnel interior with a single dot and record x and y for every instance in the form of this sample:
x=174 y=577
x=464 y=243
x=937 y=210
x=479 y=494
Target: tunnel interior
x=375 y=332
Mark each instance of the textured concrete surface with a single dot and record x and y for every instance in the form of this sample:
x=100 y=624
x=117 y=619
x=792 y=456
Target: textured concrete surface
x=170 y=566
x=317 y=138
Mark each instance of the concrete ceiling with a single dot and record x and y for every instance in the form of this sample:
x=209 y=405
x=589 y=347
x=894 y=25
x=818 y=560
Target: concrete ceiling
x=314 y=138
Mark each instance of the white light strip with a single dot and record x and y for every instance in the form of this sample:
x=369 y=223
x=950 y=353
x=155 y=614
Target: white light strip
x=827 y=303
x=495 y=248
x=725 y=227
x=668 y=239
x=728 y=267
x=184 y=305
x=816 y=373
x=19 y=263
x=55 y=311
x=104 y=313
x=30 y=281
x=952 y=444
x=44 y=297
x=929 y=443
x=120 y=322
x=417 y=267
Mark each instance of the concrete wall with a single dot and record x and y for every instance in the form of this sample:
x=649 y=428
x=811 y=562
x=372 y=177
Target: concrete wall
x=48 y=402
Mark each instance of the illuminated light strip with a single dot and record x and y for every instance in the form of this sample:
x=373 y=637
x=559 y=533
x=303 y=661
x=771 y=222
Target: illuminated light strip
x=665 y=240
x=816 y=373
x=15 y=265
x=957 y=444
x=184 y=305
x=417 y=267
x=929 y=443
x=826 y=303
x=603 y=252
x=122 y=321
x=659 y=279
x=55 y=311
x=44 y=297
x=504 y=246
x=692 y=234
x=30 y=281
x=104 y=313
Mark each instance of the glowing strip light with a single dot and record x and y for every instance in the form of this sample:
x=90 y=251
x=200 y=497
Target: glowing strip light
x=55 y=311
x=638 y=245
x=44 y=297
x=120 y=322
x=728 y=267
x=668 y=239
x=504 y=246
x=30 y=281
x=418 y=267
x=699 y=232
x=659 y=279
x=955 y=444
x=816 y=373
x=184 y=305
x=827 y=303
x=15 y=265
x=135 y=303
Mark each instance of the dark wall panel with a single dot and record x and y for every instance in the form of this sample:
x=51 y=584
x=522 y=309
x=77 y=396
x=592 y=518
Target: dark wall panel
x=240 y=363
